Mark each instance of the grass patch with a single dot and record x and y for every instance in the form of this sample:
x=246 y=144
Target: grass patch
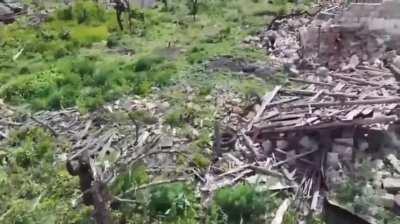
x=75 y=42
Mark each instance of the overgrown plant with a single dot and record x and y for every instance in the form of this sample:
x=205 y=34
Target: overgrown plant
x=243 y=204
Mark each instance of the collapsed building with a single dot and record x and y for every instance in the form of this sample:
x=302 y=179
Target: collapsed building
x=341 y=99
x=366 y=29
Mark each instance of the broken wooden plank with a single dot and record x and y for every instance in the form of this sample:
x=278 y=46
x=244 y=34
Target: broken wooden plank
x=348 y=103
x=359 y=81
x=354 y=113
x=280 y=213
x=311 y=82
x=312 y=93
x=335 y=124
x=267 y=99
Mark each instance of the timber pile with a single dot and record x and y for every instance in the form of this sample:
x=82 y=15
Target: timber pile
x=105 y=144
x=110 y=137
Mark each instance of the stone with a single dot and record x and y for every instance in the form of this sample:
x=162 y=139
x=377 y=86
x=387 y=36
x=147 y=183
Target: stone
x=164 y=106
x=391 y=184
x=322 y=71
x=396 y=205
x=237 y=110
x=251 y=39
x=332 y=160
x=250 y=115
x=394 y=162
x=379 y=164
x=4 y=10
x=291 y=69
x=267 y=146
x=208 y=97
x=352 y=64
x=282 y=144
x=396 y=61
x=386 y=200
x=345 y=152
x=166 y=142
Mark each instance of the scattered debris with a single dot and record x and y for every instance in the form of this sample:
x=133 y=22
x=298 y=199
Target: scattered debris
x=340 y=101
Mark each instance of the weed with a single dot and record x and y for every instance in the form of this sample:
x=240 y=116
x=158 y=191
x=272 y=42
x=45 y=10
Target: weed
x=174 y=117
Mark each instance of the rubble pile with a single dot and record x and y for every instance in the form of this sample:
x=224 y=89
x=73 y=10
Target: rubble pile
x=334 y=35
x=9 y=10
x=341 y=100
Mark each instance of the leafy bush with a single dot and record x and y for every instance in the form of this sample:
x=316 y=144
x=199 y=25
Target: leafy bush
x=30 y=87
x=201 y=161
x=172 y=201
x=241 y=203
x=31 y=151
x=146 y=63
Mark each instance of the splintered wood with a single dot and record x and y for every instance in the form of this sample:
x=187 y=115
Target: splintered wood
x=309 y=125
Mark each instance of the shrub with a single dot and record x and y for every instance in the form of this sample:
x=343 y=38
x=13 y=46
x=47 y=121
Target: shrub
x=201 y=161
x=82 y=66
x=161 y=76
x=146 y=63
x=172 y=201
x=90 y=99
x=60 y=52
x=241 y=203
x=30 y=86
x=34 y=146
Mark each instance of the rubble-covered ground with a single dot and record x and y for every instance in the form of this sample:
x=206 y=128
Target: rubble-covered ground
x=264 y=113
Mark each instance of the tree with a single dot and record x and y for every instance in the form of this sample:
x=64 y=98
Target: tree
x=122 y=6
x=193 y=7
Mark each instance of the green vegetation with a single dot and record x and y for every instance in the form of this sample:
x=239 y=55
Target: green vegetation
x=74 y=55
x=243 y=204
x=34 y=185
